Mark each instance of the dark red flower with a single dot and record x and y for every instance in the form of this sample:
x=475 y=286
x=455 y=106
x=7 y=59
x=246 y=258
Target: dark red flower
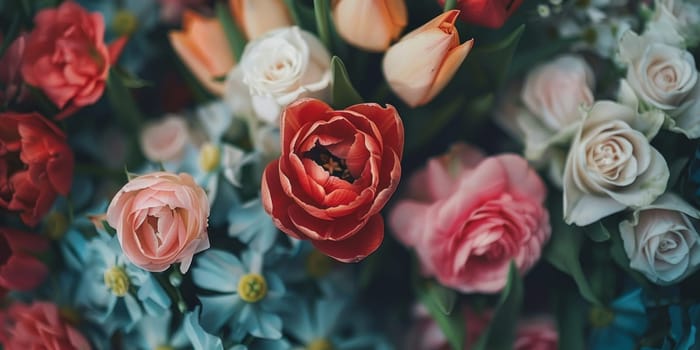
x=38 y=326
x=487 y=13
x=36 y=165
x=19 y=269
x=337 y=170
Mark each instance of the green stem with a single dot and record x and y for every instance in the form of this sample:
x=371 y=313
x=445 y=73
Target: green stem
x=173 y=293
x=321 y=12
x=450 y=5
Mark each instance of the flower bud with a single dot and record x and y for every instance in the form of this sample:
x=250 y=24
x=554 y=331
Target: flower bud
x=421 y=64
x=370 y=24
x=257 y=17
x=203 y=47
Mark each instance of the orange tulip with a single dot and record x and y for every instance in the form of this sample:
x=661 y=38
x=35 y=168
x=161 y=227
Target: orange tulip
x=256 y=17
x=421 y=64
x=370 y=24
x=203 y=47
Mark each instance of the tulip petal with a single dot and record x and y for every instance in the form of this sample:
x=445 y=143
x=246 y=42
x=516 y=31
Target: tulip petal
x=448 y=69
x=276 y=207
x=358 y=246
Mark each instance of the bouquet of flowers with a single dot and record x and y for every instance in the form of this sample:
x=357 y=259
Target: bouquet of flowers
x=349 y=174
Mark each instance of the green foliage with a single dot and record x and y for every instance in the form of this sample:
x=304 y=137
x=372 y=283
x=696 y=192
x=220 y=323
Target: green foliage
x=343 y=94
x=436 y=300
x=235 y=36
x=500 y=333
x=322 y=12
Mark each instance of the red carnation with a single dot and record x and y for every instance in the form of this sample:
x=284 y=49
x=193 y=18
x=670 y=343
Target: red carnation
x=36 y=165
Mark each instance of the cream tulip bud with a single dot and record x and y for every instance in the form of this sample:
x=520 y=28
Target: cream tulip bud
x=257 y=17
x=370 y=24
x=421 y=64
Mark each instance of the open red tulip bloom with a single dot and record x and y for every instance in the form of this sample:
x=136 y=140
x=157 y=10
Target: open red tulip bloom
x=336 y=172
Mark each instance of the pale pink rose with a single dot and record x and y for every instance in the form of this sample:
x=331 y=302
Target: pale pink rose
x=160 y=219
x=165 y=140
x=536 y=334
x=38 y=326
x=467 y=217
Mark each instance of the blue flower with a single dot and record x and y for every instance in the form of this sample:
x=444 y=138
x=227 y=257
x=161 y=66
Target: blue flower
x=684 y=329
x=114 y=292
x=330 y=324
x=251 y=225
x=246 y=296
x=154 y=332
x=621 y=325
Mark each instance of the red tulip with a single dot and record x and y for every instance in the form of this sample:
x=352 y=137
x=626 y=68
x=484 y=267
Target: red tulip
x=19 y=269
x=36 y=165
x=487 y=13
x=337 y=170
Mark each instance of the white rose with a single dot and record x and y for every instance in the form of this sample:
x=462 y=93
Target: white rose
x=611 y=165
x=276 y=69
x=661 y=240
x=675 y=22
x=664 y=77
x=554 y=94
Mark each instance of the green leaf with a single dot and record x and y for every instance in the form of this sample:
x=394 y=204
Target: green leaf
x=321 y=12
x=343 y=94
x=452 y=325
x=597 y=232
x=564 y=248
x=235 y=36
x=450 y=5
x=571 y=320
x=123 y=102
x=130 y=80
x=443 y=297
x=11 y=34
x=501 y=331
x=488 y=65
x=303 y=16
x=108 y=228
x=422 y=124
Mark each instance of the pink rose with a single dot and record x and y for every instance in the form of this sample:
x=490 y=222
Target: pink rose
x=166 y=139
x=536 y=334
x=66 y=57
x=469 y=216
x=38 y=326
x=161 y=219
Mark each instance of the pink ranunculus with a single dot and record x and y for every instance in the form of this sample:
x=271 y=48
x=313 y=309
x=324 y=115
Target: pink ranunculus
x=19 y=268
x=161 y=219
x=66 y=57
x=38 y=326
x=425 y=334
x=468 y=217
x=536 y=334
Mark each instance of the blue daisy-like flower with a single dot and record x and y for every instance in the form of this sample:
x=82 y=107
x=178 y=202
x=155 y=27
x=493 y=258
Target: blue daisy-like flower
x=246 y=297
x=112 y=291
x=621 y=325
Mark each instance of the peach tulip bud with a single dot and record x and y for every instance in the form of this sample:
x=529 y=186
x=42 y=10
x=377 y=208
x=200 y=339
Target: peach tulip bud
x=257 y=17
x=203 y=47
x=421 y=64
x=370 y=24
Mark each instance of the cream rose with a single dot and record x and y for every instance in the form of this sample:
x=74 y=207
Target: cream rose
x=664 y=77
x=277 y=69
x=611 y=165
x=661 y=240
x=553 y=94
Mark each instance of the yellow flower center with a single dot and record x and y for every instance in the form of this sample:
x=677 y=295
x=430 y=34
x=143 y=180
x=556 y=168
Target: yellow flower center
x=56 y=225
x=164 y=347
x=124 y=22
x=209 y=157
x=601 y=317
x=320 y=344
x=70 y=315
x=252 y=287
x=317 y=264
x=117 y=281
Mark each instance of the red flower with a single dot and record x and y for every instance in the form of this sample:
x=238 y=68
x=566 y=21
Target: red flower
x=336 y=172
x=10 y=78
x=19 y=270
x=487 y=13
x=66 y=56
x=38 y=326
x=36 y=165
